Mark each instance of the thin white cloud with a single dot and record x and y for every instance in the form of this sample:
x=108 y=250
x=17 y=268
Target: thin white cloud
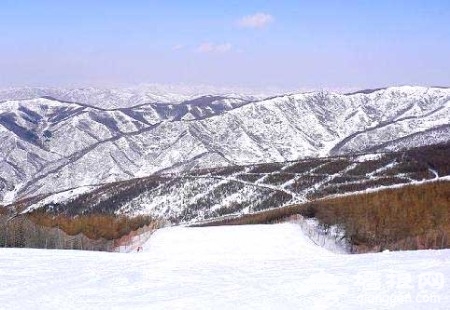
x=177 y=47
x=257 y=20
x=208 y=47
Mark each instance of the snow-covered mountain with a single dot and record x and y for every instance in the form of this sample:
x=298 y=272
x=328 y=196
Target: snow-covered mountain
x=56 y=139
x=236 y=190
x=125 y=97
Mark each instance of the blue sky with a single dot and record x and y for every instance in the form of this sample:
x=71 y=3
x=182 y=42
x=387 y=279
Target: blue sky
x=285 y=44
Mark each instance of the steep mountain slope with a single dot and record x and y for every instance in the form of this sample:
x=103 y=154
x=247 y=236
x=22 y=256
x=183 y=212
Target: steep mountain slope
x=66 y=140
x=210 y=193
x=44 y=140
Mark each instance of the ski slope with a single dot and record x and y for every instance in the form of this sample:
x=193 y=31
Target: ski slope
x=239 y=267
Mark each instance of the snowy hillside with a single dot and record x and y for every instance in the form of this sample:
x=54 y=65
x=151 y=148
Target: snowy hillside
x=211 y=193
x=52 y=140
x=240 y=267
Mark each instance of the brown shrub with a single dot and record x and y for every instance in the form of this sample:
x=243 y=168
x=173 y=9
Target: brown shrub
x=278 y=178
x=304 y=165
x=94 y=226
x=266 y=168
x=333 y=167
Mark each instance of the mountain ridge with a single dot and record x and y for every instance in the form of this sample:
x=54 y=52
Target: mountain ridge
x=48 y=144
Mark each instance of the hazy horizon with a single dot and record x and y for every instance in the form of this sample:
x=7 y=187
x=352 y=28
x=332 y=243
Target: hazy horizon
x=288 y=46
x=204 y=89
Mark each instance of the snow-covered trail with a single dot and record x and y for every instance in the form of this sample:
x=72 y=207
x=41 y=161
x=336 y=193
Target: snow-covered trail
x=233 y=243
x=241 y=267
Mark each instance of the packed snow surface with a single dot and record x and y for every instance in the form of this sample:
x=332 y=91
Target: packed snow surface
x=244 y=267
